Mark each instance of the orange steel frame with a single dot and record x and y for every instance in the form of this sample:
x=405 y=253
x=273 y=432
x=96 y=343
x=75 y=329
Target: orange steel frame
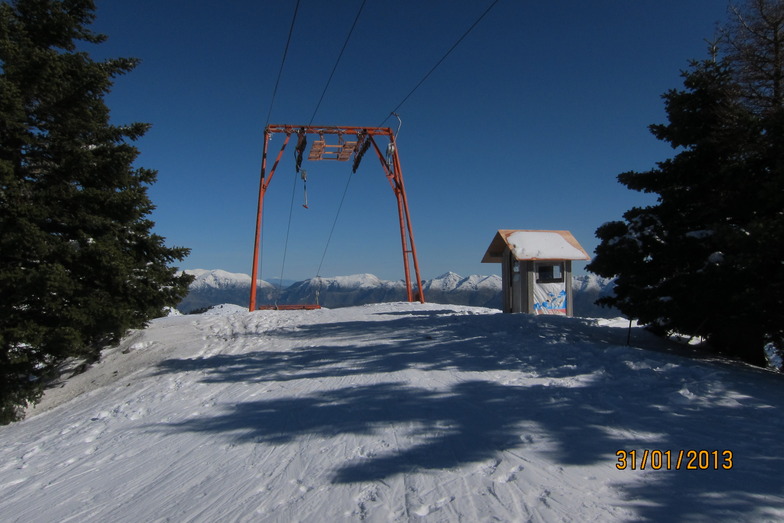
x=392 y=172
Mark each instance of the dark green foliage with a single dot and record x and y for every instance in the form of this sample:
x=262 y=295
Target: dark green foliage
x=79 y=264
x=706 y=260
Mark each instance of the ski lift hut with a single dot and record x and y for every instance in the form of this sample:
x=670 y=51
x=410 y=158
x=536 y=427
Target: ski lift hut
x=536 y=269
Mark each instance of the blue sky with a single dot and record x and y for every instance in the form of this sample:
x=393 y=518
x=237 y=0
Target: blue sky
x=525 y=125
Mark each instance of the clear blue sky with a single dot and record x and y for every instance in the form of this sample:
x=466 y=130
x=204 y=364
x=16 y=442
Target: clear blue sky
x=525 y=125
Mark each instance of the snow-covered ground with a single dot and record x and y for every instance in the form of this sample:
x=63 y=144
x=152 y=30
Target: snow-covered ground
x=396 y=412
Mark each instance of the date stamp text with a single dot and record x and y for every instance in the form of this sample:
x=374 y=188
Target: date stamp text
x=647 y=459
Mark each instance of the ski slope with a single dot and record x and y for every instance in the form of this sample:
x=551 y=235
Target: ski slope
x=394 y=412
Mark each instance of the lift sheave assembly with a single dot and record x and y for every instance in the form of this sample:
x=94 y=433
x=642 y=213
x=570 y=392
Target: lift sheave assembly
x=340 y=144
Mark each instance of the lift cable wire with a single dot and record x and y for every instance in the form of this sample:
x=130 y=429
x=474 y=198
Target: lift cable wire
x=348 y=181
x=286 y=242
x=269 y=114
x=329 y=238
x=304 y=181
x=393 y=111
x=337 y=62
x=326 y=87
x=282 y=63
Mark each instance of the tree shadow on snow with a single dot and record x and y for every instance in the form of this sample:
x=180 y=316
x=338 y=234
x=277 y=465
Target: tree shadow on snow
x=575 y=387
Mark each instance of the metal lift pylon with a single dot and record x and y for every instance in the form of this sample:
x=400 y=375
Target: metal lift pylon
x=364 y=138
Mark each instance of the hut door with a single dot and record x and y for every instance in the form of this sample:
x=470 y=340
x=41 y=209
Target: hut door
x=549 y=288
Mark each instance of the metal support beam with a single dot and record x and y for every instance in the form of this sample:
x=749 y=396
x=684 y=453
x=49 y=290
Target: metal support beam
x=342 y=152
x=263 y=184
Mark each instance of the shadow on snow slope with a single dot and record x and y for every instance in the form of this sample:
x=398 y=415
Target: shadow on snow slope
x=575 y=385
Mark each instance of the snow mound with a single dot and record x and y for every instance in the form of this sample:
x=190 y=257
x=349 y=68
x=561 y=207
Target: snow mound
x=225 y=309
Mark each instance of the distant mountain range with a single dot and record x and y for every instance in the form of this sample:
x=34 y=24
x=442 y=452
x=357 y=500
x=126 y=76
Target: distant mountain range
x=215 y=287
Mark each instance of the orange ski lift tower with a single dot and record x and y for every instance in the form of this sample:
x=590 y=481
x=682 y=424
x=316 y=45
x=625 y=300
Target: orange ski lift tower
x=351 y=141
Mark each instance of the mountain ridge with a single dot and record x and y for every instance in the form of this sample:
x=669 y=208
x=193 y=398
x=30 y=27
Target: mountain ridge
x=215 y=286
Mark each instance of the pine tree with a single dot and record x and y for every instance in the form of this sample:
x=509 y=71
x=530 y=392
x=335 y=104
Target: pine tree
x=79 y=264
x=680 y=264
x=706 y=260
x=754 y=46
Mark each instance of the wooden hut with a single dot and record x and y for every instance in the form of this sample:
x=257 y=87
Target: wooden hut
x=536 y=269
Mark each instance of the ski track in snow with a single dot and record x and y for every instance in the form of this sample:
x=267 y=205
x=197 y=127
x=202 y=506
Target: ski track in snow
x=392 y=412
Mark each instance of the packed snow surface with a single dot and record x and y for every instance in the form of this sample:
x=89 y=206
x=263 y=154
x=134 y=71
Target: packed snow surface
x=395 y=412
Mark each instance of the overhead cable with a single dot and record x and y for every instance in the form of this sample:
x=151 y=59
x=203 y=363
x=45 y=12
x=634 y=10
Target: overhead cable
x=440 y=61
x=329 y=80
x=332 y=230
x=282 y=63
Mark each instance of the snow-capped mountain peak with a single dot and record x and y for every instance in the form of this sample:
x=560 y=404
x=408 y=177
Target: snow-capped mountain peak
x=448 y=280
x=218 y=278
x=217 y=286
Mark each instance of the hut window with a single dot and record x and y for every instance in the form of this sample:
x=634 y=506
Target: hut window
x=549 y=273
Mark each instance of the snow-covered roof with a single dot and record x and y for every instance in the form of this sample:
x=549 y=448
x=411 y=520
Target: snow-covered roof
x=534 y=245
